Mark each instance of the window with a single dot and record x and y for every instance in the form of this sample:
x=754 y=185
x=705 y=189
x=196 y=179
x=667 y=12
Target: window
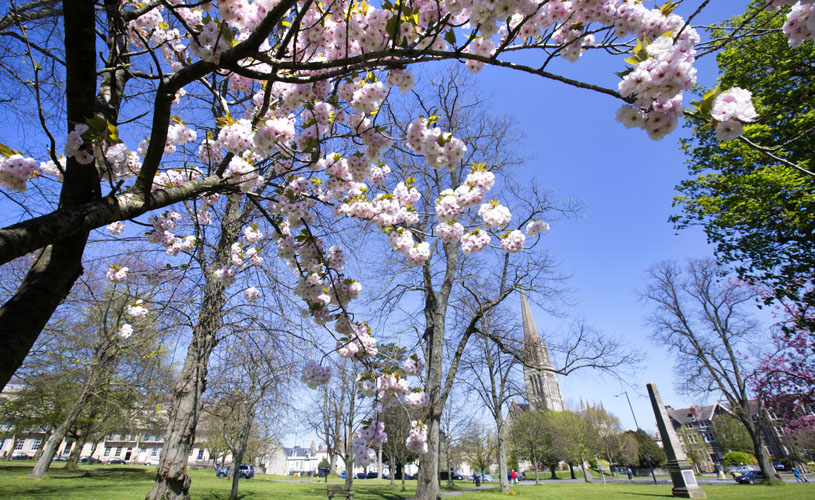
x=35 y=444
x=153 y=452
x=116 y=451
x=19 y=445
x=201 y=454
x=67 y=448
x=107 y=451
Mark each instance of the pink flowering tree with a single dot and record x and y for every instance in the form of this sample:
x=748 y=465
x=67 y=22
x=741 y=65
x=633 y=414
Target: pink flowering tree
x=786 y=376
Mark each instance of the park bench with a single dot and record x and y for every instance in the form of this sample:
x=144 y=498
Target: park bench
x=339 y=490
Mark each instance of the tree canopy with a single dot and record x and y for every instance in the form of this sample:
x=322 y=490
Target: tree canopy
x=754 y=202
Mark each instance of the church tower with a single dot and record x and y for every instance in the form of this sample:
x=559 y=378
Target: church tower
x=542 y=389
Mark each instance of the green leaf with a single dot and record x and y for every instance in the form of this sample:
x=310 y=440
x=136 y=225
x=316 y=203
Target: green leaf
x=392 y=27
x=450 y=37
x=668 y=7
x=7 y=151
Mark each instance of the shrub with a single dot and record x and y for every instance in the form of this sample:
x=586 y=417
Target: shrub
x=739 y=458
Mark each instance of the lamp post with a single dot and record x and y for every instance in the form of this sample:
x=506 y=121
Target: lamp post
x=647 y=457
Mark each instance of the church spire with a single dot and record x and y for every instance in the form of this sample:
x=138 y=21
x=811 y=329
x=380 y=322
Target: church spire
x=542 y=389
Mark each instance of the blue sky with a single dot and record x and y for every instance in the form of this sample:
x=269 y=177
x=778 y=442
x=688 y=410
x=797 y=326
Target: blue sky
x=627 y=182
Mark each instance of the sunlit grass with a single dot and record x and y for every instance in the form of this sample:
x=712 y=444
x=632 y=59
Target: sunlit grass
x=125 y=482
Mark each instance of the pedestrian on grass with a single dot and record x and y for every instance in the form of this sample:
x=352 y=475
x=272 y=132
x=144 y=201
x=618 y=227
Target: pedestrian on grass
x=628 y=471
x=514 y=476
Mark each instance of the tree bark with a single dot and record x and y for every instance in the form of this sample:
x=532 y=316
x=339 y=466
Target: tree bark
x=55 y=270
x=246 y=427
x=76 y=453
x=502 y=453
x=172 y=481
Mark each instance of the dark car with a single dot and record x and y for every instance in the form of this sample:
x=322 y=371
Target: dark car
x=372 y=475
x=443 y=475
x=89 y=460
x=751 y=477
x=361 y=475
x=246 y=471
x=116 y=461
x=222 y=472
x=20 y=456
x=778 y=466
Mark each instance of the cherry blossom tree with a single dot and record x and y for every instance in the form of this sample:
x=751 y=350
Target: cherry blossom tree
x=263 y=66
x=183 y=101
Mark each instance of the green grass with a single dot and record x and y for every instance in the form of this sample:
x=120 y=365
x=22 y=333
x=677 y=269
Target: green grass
x=638 y=491
x=123 y=482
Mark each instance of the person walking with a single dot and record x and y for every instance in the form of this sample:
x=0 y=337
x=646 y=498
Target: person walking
x=628 y=471
x=798 y=477
x=514 y=476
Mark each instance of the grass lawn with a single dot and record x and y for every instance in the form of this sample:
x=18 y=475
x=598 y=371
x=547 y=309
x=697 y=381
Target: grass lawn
x=635 y=491
x=124 y=482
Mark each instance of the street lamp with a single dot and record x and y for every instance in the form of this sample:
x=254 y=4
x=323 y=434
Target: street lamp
x=647 y=456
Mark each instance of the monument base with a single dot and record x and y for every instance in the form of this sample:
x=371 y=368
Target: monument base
x=685 y=485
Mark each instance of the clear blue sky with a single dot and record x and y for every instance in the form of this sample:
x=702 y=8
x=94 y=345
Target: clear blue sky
x=627 y=182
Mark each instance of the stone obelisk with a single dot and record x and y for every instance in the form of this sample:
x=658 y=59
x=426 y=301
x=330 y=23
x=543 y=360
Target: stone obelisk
x=681 y=470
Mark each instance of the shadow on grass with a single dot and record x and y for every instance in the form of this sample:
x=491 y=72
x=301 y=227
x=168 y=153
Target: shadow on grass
x=118 y=473
x=645 y=494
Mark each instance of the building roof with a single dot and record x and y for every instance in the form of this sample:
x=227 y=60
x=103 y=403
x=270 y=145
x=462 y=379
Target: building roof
x=298 y=452
x=692 y=414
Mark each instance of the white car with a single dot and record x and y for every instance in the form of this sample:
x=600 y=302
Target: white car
x=741 y=469
x=151 y=461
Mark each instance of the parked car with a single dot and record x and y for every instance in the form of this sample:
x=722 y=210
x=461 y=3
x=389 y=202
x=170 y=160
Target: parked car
x=341 y=475
x=89 y=460
x=741 y=469
x=151 y=461
x=752 y=476
x=222 y=472
x=443 y=475
x=246 y=471
x=20 y=456
x=361 y=475
x=778 y=466
x=116 y=461
x=60 y=458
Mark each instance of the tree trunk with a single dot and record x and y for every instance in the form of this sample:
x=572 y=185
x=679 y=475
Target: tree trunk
x=172 y=481
x=76 y=453
x=332 y=464
x=246 y=427
x=502 y=454
x=535 y=465
x=586 y=477
x=754 y=429
x=379 y=462
x=571 y=470
x=58 y=266
x=552 y=469
x=427 y=487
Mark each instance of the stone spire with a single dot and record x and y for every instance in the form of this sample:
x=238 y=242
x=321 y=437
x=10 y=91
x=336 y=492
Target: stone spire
x=542 y=389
